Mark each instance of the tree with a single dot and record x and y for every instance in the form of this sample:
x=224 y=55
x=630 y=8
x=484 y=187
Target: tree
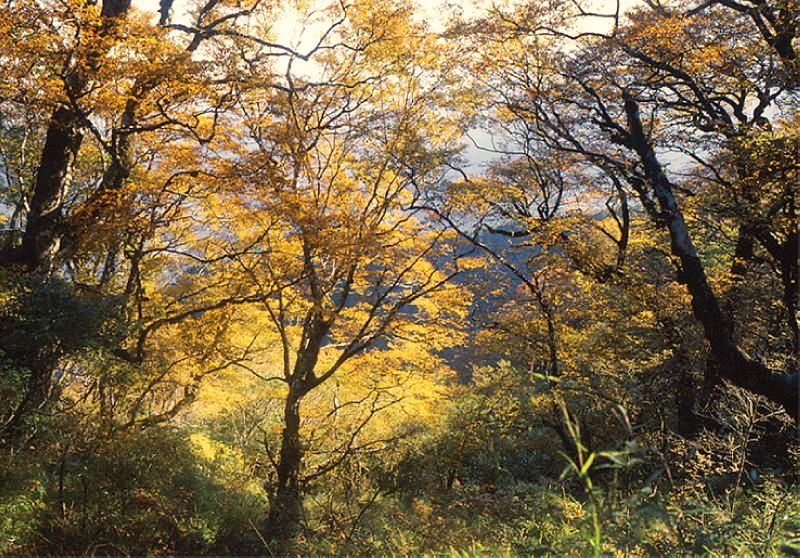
x=121 y=163
x=776 y=23
x=331 y=162
x=590 y=104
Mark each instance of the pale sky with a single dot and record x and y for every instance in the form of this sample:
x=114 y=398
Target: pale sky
x=435 y=13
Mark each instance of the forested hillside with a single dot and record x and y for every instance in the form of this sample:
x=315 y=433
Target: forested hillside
x=393 y=277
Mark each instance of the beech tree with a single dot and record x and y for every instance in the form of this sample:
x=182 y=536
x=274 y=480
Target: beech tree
x=119 y=169
x=333 y=156
x=661 y=81
x=314 y=278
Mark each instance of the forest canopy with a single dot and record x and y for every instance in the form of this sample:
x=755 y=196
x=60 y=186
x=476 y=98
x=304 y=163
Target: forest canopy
x=390 y=277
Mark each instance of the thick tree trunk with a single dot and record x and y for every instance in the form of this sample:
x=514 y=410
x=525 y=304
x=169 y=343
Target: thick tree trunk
x=41 y=240
x=735 y=366
x=286 y=506
x=37 y=392
x=789 y=277
x=44 y=228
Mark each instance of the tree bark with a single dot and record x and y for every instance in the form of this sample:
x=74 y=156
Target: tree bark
x=286 y=506
x=41 y=240
x=735 y=366
x=37 y=393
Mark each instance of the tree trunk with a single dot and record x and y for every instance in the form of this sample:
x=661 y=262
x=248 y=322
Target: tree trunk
x=735 y=366
x=37 y=393
x=685 y=395
x=41 y=240
x=286 y=506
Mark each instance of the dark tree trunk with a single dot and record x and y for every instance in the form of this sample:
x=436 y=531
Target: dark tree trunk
x=735 y=366
x=452 y=471
x=115 y=8
x=286 y=506
x=41 y=240
x=45 y=229
x=685 y=396
x=37 y=394
x=789 y=277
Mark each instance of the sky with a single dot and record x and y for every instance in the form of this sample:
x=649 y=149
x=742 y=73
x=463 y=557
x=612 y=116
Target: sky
x=434 y=12
x=431 y=11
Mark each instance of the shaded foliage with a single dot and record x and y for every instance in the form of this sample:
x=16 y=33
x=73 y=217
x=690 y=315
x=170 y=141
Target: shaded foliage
x=258 y=297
